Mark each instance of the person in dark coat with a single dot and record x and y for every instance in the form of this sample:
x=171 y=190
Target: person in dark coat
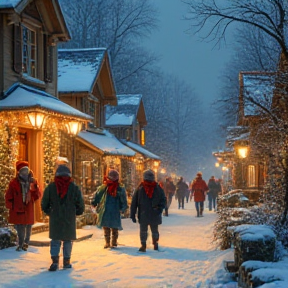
x=62 y=201
x=181 y=191
x=169 y=190
x=213 y=193
x=20 y=196
x=110 y=200
x=148 y=201
x=199 y=188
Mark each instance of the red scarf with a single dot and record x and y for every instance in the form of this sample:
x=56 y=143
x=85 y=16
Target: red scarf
x=111 y=186
x=62 y=184
x=149 y=187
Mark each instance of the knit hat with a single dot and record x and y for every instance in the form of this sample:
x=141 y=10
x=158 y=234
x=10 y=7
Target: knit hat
x=21 y=164
x=113 y=175
x=63 y=170
x=199 y=174
x=149 y=175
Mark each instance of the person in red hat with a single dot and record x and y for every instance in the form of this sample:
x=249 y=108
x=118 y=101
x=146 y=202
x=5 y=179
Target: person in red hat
x=110 y=200
x=22 y=192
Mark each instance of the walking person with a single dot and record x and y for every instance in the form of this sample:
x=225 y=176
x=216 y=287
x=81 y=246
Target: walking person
x=181 y=191
x=213 y=193
x=169 y=190
x=148 y=202
x=110 y=200
x=199 y=188
x=20 y=196
x=62 y=201
x=187 y=193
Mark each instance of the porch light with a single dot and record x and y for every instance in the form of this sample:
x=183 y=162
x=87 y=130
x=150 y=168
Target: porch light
x=156 y=164
x=163 y=171
x=73 y=127
x=36 y=119
x=242 y=151
x=217 y=164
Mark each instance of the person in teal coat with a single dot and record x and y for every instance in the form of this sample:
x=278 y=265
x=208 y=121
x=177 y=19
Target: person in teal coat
x=62 y=201
x=110 y=200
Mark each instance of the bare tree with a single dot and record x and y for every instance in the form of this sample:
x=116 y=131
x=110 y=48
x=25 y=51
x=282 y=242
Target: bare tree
x=116 y=25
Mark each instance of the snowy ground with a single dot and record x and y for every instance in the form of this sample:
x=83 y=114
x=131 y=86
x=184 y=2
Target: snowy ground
x=187 y=259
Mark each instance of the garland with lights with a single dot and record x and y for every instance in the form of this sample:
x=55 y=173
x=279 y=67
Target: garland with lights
x=51 y=143
x=9 y=146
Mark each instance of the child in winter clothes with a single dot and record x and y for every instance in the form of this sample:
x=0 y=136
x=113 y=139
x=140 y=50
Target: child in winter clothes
x=149 y=199
x=110 y=200
x=20 y=196
x=62 y=201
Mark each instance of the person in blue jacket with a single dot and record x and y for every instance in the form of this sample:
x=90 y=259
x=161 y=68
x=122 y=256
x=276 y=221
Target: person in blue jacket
x=110 y=201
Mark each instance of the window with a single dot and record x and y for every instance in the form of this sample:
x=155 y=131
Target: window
x=142 y=137
x=251 y=176
x=29 y=52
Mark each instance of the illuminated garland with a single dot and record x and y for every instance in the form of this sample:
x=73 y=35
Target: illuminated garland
x=51 y=143
x=9 y=146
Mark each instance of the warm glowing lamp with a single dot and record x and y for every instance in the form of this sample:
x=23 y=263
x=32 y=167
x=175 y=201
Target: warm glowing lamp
x=156 y=164
x=36 y=119
x=73 y=127
x=163 y=171
x=217 y=164
x=243 y=151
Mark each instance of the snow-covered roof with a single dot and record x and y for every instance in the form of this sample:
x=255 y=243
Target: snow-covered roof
x=106 y=142
x=78 y=68
x=236 y=133
x=125 y=112
x=259 y=86
x=9 y=3
x=141 y=150
x=20 y=96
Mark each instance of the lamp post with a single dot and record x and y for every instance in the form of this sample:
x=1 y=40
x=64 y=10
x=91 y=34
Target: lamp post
x=73 y=127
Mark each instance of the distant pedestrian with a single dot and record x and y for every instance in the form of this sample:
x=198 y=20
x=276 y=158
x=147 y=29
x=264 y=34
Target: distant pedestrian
x=62 y=201
x=20 y=196
x=199 y=188
x=148 y=202
x=213 y=193
x=181 y=191
x=187 y=192
x=110 y=200
x=169 y=190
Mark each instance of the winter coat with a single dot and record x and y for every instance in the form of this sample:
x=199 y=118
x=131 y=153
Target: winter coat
x=213 y=188
x=181 y=189
x=199 y=187
x=62 y=212
x=19 y=212
x=109 y=207
x=149 y=209
x=169 y=189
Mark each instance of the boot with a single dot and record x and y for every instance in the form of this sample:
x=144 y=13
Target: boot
x=66 y=263
x=142 y=248
x=107 y=237
x=107 y=242
x=25 y=247
x=155 y=243
x=198 y=214
x=55 y=263
x=201 y=212
x=114 y=238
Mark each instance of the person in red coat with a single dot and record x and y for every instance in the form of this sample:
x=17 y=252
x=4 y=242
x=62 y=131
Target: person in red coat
x=20 y=196
x=199 y=188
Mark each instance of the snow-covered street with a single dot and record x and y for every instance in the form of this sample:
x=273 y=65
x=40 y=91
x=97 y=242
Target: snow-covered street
x=187 y=258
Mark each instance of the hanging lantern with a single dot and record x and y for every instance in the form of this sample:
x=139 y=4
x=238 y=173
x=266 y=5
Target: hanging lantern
x=36 y=119
x=73 y=127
